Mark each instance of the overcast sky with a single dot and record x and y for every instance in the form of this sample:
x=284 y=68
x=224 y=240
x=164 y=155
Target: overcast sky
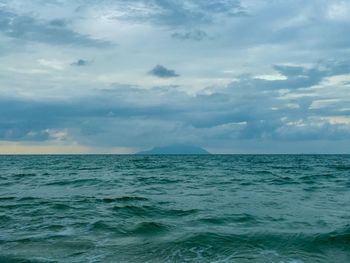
x=118 y=76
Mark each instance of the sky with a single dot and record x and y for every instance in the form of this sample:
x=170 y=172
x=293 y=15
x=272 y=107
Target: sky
x=119 y=76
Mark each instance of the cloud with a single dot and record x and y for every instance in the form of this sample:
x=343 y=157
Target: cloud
x=195 y=35
x=293 y=77
x=58 y=23
x=26 y=28
x=80 y=63
x=129 y=116
x=162 y=72
x=174 y=13
x=275 y=76
x=52 y=63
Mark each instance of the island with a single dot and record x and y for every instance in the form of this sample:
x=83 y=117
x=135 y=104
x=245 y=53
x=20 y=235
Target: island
x=175 y=149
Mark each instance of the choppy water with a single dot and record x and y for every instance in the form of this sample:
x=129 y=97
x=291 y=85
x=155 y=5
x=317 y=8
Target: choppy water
x=240 y=208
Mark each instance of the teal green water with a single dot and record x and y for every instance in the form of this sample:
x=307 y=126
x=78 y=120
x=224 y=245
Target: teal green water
x=217 y=208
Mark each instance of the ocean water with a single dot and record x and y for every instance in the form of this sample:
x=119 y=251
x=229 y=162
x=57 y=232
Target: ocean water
x=217 y=208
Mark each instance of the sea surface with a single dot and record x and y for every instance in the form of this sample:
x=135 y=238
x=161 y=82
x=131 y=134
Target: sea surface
x=215 y=208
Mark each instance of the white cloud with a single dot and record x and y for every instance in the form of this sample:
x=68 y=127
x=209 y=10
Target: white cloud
x=52 y=63
x=339 y=11
x=271 y=77
x=338 y=119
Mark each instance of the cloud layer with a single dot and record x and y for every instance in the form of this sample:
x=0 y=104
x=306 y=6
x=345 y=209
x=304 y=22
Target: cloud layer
x=235 y=76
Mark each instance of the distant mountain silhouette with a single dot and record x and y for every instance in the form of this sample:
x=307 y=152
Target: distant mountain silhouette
x=176 y=149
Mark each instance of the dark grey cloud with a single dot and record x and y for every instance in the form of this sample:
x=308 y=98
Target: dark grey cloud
x=180 y=13
x=56 y=32
x=195 y=35
x=81 y=62
x=296 y=77
x=290 y=24
x=58 y=23
x=232 y=7
x=132 y=117
x=311 y=34
x=312 y=131
x=163 y=72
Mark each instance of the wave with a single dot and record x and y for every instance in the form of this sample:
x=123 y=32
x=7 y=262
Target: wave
x=149 y=228
x=5 y=198
x=78 y=182
x=170 y=246
x=122 y=199
x=61 y=206
x=148 y=211
x=16 y=259
x=145 y=228
x=239 y=218
x=102 y=226
x=21 y=175
x=340 y=167
x=89 y=168
x=338 y=238
x=283 y=180
x=256 y=247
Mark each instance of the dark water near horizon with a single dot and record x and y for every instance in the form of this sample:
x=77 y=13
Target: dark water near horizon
x=217 y=208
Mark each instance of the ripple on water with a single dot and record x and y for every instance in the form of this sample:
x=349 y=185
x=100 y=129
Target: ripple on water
x=264 y=209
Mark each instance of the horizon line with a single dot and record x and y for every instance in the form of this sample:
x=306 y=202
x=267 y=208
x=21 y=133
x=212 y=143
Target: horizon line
x=137 y=154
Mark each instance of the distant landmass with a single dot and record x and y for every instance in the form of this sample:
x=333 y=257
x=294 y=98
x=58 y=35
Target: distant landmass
x=176 y=149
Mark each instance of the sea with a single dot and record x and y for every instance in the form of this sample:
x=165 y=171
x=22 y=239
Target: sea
x=175 y=208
